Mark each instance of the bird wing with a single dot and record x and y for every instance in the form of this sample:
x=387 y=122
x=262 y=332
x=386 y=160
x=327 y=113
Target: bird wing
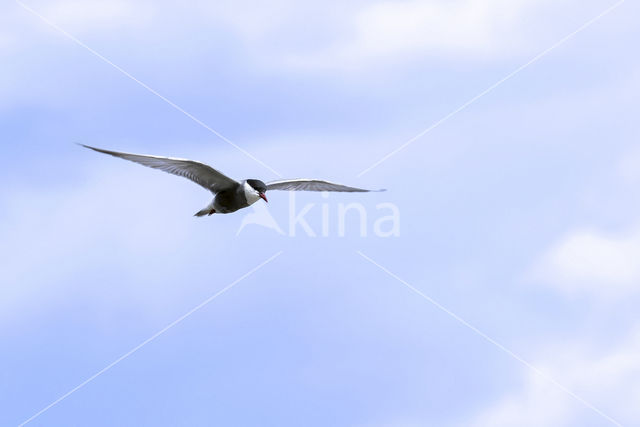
x=312 y=185
x=201 y=174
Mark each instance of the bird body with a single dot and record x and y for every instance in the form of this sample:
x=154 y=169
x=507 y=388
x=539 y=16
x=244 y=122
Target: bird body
x=231 y=199
x=229 y=194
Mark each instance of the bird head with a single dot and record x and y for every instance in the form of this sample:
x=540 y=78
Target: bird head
x=259 y=186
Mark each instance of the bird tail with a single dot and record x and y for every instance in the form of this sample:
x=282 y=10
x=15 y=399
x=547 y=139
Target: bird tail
x=206 y=211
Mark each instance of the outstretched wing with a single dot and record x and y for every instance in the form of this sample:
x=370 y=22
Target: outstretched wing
x=197 y=172
x=312 y=185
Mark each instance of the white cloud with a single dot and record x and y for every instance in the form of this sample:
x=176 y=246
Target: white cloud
x=610 y=381
x=349 y=35
x=319 y=35
x=391 y=30
x=389 y=27
x=95 y=16
x=20 y=27
x=593 y=262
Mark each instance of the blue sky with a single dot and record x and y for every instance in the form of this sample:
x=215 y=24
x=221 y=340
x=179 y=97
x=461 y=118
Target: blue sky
x=519 y=214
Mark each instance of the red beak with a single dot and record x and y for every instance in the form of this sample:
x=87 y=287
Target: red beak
x=264 y=197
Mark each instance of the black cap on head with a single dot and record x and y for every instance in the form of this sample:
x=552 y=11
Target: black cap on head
x=257 y=185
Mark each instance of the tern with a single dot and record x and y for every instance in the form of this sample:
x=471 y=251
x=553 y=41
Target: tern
x=229 y=194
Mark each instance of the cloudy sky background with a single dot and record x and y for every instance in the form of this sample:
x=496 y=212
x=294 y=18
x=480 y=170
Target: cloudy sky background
x=520 y=214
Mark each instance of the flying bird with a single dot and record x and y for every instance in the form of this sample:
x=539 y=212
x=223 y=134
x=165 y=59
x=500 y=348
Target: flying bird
x=229 y=194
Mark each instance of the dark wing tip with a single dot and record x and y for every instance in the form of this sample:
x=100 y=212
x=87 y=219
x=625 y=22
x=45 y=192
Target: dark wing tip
x=87 y=146
x=101 y=150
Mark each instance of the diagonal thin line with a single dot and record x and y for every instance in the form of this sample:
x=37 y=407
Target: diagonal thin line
x=171 y=103
x=151 y=338
x=492 y=341
x=492 y=87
